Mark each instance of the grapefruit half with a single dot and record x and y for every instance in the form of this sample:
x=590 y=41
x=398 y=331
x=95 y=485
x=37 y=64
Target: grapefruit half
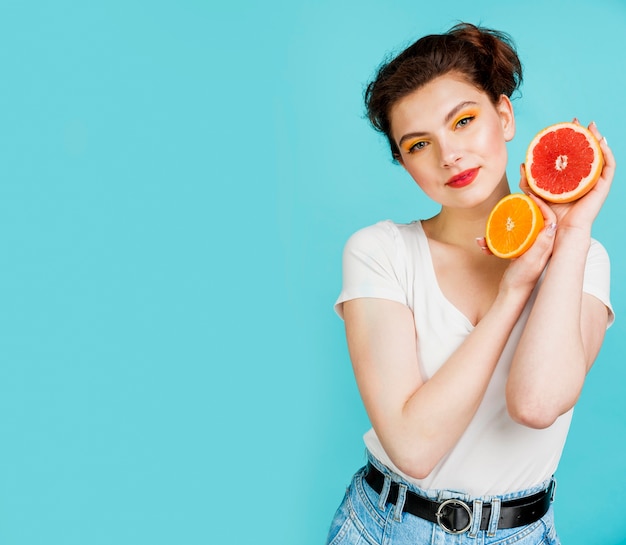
x=563 y=162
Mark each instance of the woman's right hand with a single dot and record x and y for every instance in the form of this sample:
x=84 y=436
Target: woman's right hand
x=524 y=271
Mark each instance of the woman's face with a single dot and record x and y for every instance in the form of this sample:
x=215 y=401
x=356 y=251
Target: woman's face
x=452 y=141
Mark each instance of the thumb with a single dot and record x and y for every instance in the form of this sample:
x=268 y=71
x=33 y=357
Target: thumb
x=545 y=241
x=549 y=230
x=541 y=250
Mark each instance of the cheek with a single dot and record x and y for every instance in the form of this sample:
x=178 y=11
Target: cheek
x=422 y=178
x=494 y=144
x=418 y=173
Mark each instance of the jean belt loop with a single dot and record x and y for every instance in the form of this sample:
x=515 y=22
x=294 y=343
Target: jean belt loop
x=495 y=517
x=397 y=512
x=478 y=516
x=384 y=493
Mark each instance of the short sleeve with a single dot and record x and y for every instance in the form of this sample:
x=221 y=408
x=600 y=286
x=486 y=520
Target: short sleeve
x=372 y=260
x=597 y=280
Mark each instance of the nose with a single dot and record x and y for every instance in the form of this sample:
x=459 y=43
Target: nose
x=449 y=151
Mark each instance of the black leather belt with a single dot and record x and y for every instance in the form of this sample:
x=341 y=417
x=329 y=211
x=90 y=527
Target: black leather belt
x=456 y=516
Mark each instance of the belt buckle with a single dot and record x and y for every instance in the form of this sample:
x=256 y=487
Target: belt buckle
x=453 y=503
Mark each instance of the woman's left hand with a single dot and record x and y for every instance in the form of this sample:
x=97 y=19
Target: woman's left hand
x=580 y=214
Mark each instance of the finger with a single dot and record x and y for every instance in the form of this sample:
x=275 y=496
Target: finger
x=601 y=139
x=523 y=181
x=609 y=159
x=575 y=120
x=542 y=248
x=549 y=230
x=608 y=169
x=482 y=244
x=604 y=146
x=594 y=130
x=546 y=235
x=546 y=210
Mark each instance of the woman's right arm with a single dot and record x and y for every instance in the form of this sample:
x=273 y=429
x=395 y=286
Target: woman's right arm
x=418 y=422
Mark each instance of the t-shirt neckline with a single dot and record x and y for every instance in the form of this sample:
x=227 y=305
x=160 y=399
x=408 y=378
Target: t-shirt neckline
x=423 y=241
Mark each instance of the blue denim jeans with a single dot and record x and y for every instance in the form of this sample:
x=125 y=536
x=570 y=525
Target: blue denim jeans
x=364 y=518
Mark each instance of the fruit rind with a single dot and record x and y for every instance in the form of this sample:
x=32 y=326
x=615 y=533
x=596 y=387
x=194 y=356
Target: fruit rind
x=586 y=183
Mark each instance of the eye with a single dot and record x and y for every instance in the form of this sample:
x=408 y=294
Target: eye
x=465 y=120
x=418 y=146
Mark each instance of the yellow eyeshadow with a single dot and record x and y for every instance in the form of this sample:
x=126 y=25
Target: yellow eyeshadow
x=467 y=113
x=410 y=143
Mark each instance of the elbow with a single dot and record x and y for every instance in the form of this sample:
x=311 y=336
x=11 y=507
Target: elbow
x=535 y=413
x=538 y=418
x=538 y=409
x=530 y=411
x=416 y=468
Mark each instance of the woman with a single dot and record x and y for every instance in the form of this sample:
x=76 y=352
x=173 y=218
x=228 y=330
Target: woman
x=468 y=365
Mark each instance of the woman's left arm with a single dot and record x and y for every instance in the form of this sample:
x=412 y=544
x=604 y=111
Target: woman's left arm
x=566 y=327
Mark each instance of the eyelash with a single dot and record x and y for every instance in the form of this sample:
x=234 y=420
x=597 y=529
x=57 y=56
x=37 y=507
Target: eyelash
x=469 y=118
x=415 y=149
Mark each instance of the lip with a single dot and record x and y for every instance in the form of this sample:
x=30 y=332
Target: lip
x=463 y=179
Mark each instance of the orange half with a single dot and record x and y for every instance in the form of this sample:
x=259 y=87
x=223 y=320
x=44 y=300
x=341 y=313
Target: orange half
x=513 y=225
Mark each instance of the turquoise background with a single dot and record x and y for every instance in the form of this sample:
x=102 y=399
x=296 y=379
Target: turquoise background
x=177 y=181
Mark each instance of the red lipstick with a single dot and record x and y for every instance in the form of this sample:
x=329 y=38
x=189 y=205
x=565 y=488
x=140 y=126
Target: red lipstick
x=463 y=179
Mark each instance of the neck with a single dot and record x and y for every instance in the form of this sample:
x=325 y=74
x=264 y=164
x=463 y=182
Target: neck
x=461 y=226
x=451 y=229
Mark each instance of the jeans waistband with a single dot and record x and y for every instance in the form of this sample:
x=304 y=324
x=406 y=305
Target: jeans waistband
x=456 y=515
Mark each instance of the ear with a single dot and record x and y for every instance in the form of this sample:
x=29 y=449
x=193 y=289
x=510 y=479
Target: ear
x=507 y=117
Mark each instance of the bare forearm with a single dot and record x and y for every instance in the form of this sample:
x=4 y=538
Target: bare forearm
x=549 y=366
x=438 y=413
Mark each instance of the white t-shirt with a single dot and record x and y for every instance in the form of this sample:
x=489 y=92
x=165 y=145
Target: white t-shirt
x=495 y=455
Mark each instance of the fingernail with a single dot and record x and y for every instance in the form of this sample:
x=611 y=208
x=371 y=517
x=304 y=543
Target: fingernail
x=482 y=242
x=551 y=229
x=532 y=195
x=605 y=140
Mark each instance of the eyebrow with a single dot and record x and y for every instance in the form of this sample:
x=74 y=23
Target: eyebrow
x=447 y=119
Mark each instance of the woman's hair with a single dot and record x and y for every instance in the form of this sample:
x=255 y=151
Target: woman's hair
x=485 y=57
